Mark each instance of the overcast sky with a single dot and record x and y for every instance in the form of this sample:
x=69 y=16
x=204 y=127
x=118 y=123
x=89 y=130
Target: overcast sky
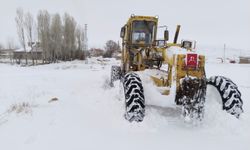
x=209 y=22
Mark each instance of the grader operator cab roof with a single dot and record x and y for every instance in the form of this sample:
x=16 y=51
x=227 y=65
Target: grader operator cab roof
x=147 y=18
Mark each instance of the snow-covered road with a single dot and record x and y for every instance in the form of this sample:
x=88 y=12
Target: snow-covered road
x=89 y=115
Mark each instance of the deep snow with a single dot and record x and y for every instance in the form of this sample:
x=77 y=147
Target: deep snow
x=89 y=114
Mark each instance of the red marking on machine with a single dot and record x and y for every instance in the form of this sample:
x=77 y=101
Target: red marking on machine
x=192 y=60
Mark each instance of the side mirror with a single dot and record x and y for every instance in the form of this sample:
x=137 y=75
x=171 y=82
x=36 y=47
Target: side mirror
x=122 y=33
x=166 y=35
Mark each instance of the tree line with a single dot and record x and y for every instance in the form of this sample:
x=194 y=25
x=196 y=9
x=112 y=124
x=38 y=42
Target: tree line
x=60 y=37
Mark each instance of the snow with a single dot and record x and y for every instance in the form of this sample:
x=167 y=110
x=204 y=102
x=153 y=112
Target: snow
x=89 y=114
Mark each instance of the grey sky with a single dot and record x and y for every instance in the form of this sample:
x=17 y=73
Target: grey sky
x=210 y=22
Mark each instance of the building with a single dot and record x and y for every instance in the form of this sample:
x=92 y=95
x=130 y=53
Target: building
x=33 y=53
x=244 y=60
x=6 y=53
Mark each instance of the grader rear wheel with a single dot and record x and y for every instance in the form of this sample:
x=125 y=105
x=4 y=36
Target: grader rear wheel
x=115 y=74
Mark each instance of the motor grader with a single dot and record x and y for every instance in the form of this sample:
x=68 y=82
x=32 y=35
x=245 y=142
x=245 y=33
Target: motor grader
x=183 y=73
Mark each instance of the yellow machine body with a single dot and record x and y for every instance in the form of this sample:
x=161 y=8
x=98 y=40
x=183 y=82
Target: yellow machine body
x=141 y=50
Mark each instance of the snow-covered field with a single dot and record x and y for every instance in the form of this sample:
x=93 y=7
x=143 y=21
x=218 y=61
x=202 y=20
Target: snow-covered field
x=89 y=115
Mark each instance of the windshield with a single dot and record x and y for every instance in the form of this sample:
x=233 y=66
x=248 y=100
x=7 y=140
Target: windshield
x=142 y=32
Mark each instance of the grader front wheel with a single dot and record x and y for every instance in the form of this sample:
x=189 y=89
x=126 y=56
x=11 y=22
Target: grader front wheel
x=134 y=98
x=191 y=95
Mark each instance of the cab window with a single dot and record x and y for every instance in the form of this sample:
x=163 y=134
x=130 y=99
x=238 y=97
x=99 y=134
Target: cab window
x=142 y=32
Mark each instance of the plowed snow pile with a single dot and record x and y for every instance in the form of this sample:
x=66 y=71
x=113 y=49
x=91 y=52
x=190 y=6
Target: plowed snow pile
x=69 y=106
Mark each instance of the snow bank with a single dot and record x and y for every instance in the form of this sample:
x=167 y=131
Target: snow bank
x=88 y=115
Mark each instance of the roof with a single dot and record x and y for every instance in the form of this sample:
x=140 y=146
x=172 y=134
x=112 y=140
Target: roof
x=34 y=48
x=28 y=49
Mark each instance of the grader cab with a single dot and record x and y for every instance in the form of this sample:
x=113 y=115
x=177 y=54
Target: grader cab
x=144 y=55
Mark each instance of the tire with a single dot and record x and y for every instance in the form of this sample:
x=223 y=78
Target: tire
x=191 y=95
x=134 y=98
x=230 y=95
x=115 y=74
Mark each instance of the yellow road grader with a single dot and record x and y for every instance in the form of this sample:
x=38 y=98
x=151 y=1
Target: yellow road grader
x=183 y=73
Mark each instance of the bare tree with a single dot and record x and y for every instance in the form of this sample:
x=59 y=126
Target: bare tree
x=11 y=45
x=43 y=27
x=78 y=35
x=29 y=28
x=110 y=48
x=79 y=54
x=56 y=37
x=59 y=40
x=20 y=30
x=69 y=37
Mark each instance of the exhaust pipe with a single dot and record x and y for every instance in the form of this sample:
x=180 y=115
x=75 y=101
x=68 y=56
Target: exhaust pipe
x=177 y=33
